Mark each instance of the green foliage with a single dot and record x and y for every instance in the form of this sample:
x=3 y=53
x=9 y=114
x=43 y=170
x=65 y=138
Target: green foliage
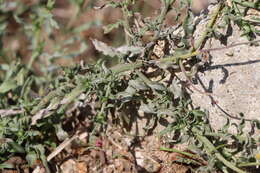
x=112 y=26
x=33 y=126
x=237 y=13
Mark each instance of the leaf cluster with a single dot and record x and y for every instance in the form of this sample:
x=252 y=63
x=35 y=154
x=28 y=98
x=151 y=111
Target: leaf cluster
x=34 y=121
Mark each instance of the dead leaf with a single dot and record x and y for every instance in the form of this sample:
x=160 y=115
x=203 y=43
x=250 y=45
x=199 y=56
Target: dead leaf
x=69 y=166
x=39 y=169
x=82 y=167
x=8 y=112
x=112 y=52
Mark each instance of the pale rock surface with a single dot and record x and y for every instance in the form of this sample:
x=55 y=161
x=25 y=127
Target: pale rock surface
x=234 y=80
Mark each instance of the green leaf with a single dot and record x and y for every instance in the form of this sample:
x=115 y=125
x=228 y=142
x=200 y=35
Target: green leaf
x=188 y=25
x=112 y=26
x=60 y=133
x=16 y=147
x=50 y=4
x=31 y=158
x=2 y=27
x=168 y=2
x=168 y=129
x=147 y=108
x=130 y=91
x=8 y=85
x=41 y=152
x=6 y=166
x=100 y=118
x=176 y=89
x=157 y=86
x=138 y=84
x=21 y=76
x=198 y=113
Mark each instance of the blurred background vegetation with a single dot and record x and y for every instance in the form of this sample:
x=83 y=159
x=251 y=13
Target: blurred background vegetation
x=45 y=34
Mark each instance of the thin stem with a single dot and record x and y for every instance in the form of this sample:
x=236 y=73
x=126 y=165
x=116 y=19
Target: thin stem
x=178 y=151
x=126 y=67
x=182 y=57
x=144 y=78
x=127 y=27
x=160 y=19
x=209 y=27
x=36 y=53
x=249 y=164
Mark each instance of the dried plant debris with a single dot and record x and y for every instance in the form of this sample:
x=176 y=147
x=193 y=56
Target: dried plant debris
x=136 y=116
x=119 y=52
